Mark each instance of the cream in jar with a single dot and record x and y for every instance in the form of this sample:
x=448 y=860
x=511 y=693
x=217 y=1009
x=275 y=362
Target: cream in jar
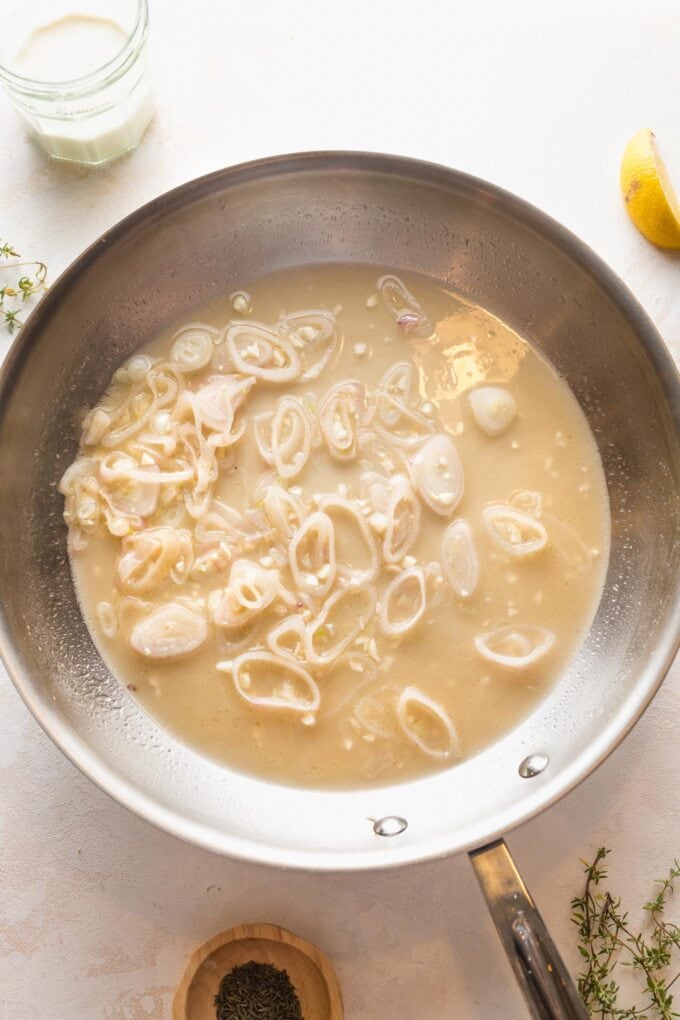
x=79 y=77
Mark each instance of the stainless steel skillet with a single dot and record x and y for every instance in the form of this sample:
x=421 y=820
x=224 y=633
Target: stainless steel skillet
x=215 y=233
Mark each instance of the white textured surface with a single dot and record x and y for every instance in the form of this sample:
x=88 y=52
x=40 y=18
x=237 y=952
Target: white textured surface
x=98 y=911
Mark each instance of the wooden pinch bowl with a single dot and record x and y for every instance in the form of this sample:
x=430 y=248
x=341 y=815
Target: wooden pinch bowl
x=310 y=971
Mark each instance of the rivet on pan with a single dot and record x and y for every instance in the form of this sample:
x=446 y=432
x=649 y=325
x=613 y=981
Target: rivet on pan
x=390 y=825
x=533 y=765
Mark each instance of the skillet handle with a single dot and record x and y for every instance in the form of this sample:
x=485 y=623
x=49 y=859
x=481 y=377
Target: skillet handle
x=543 y=979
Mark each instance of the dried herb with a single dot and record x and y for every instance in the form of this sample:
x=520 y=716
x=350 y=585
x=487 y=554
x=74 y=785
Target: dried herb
x=607 y=940
x=16 y=293
x=257 y=991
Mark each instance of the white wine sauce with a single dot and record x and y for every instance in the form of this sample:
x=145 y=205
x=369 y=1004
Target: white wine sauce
x=351 y=578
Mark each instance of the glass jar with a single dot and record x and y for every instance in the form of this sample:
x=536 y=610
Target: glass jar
x=76 y=70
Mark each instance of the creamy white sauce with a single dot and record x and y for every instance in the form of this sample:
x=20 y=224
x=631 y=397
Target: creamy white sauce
x=400 y=591
x=69 y=48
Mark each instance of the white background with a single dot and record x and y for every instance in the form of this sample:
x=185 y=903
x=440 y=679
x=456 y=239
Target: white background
x=98 y=911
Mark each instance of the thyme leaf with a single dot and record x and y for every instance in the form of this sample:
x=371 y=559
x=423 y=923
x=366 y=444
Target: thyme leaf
x=607 y=940
x=22 y=287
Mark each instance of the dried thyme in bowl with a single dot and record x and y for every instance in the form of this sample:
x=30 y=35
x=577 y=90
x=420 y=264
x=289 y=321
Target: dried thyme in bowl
x=257 y=991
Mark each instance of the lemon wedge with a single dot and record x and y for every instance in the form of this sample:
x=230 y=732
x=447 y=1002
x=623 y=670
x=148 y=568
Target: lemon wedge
x=648 y=193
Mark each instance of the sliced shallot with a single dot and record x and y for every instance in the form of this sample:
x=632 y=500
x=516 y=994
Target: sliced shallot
x=459 y=558
x=403 y=306
x=169 y=631
x=88 y=501
x=262 y=433
x=164 y=382
x=81 y=468
x=251 y=589
x=291 y=437
x=314 y=334
x=270 y=681
x=426 y=724
x=211 y=562
x=402 y=521
x=374 y=489
x=262 y=487
x=287 y=638
x=217 y=401
x=402 y=604
x=493 y=409
x=116 y=467
x=343 y=617
x=128 y=418
x=339 y=418
x=230 y=641
x=437 y=474
x=527 y=502
x=135 y=497
x=223 y=523
x=149 y=557
x=134 y=370
x=83 y=511
x=356 y=552
x=311 y=405
x=514 y=532
x=398 y=382
x=515 y=646
x=437 y=591
x=312 y=555
x=398 y=423
x=284 y=511
x=108 y=621
x=258 y=351
x=192 y=347
x=96 y=424
x=382 y=453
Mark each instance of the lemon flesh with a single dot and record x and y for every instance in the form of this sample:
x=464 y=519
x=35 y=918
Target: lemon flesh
x=648 y=193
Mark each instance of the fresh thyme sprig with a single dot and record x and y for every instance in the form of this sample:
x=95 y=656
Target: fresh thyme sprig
x=14 y=294
x=607 y=939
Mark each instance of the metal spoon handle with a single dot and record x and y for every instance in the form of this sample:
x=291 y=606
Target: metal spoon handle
x=543 y=978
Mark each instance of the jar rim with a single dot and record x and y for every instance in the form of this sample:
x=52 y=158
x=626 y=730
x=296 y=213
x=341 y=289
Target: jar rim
x=95 y=80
